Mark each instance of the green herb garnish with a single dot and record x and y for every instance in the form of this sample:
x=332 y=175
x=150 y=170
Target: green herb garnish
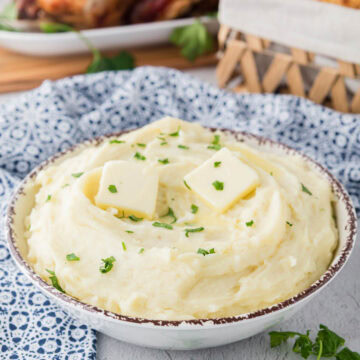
x=163 y=143
x=135 y=218
x=218 y=185
x=141 y=145
x=217 y=163
x=171 y=213
x=112 y=189
x=72 y=257
x=326 y=345
x=305 y=189
x=194 y=40
x=176 y=133
x=250 y=223
x=77 y=175
x=186 y=184
x=184 y=147
x=194 y=209
x=107 y=265
x=289 y=223
x=139 y=156
x=141 y=250
x=187 y=231
x=48 y=198
x=54 y=281
x=163 y=161
x=206 y=252
x=162 y=225
x=214 y=147
x=115 y=141
x=129 y=231
x=52 y=27
x=123 y=246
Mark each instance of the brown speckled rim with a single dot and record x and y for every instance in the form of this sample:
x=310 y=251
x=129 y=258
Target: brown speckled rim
x=339 y=191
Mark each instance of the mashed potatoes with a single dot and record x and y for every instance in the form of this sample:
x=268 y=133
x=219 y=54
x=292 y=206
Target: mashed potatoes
x=267 y=247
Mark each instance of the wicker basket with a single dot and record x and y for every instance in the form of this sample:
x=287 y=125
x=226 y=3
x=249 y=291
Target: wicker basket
x=237 y=62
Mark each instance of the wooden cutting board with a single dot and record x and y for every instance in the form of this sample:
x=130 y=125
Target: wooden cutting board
x=21 y=72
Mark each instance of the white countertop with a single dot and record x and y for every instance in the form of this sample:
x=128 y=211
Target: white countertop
x=338 y=307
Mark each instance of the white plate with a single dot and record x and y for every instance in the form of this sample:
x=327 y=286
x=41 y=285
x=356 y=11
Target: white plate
x=39 y=44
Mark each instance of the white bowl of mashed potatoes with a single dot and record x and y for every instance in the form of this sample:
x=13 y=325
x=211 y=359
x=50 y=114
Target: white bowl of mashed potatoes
x=176 y=236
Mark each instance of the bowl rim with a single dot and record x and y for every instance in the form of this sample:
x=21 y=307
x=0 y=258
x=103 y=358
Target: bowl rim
x=241 y=136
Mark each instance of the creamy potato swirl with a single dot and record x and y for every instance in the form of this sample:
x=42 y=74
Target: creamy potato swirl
x=288 y=246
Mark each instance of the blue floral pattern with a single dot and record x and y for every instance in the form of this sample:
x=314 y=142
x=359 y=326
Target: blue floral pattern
x=60 y=114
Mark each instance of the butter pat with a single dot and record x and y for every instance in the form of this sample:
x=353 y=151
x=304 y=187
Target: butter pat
x=129 y=187
x=222 y=180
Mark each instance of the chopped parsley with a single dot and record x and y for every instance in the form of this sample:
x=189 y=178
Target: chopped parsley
x=305 y=189
x=187 y=231
x=176 y=133
x=54 y=281
x=163 y=143
x=115 y=141
x=290 y=224
x=123 y=246
x=141 y=145
x=194 y=209
x=215 y=144
x=171 y=213
x=48 y=198
x=163 y=161
x=135 y=218
x=206 y=252
x=218 y=185
x=129 y=231
x=184 y=147
x=217 y=163
x=77 y=175
x=250 y=223
x=161 y=138
x=139 y=156
x=186 y=184
x=107 y=265
x=112 y=189
x=162 y=225
x=72 y=257
x=141 y=250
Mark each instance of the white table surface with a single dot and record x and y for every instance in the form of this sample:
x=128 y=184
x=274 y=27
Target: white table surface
x=338 y=307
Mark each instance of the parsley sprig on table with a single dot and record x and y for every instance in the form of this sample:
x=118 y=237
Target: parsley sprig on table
x=327 y=344
x=194 y=40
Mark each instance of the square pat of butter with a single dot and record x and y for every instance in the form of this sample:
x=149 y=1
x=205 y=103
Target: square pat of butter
x=222 y=180
x=129 y=187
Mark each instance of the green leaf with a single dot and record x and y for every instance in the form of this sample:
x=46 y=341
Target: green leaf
x=187 y=231
x=162 y=225
x=72 y=257
x=305 y=189
x=216 y=147
x=141 y=145
x=216 y=140
x=171 y=213
x=218 y=185
x=186 y=184
x=303 y=345
x=54 y=281
x=123 y=246
x=52 y=27
x=331 y=342
x=217 y=164
x=77 y=175
x=347 y=354
x=194 y=208
x=249 y=223
x=289 y=223
x=279 y=337
x=107 y=265
x=184 y=147
x=48 y=198
x=9 y=12
x=115 y=141
x=129 y=231
x=206 y=252
x=122 y=61
x=135 y=218
x=176 y=133
x=139 y=156
x=112 y=189
x=163 y=161
x=194 y=40
x=141 y=250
